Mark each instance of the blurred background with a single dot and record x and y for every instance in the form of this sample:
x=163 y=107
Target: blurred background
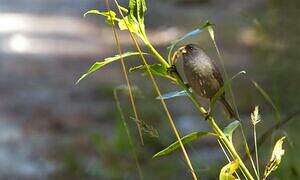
x=52 y=129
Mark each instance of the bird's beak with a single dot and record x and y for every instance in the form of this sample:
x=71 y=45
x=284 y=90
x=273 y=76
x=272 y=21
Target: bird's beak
x=182 y=50
x=177 y=53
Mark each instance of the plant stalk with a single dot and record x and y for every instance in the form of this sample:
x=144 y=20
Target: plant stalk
x=256 y=151
x=158 y=91
x=216 y=129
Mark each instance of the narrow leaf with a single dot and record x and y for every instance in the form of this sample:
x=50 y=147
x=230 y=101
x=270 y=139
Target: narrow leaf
x=110 y=15
x=221 y=91
x=275 y=160
x=156 y=69
x=137 y=9
x=106 y=61
x=268 y=99
x=173 y=94
x=228 y=130
x=227 y=171
x=186 y=139
x=186 y=36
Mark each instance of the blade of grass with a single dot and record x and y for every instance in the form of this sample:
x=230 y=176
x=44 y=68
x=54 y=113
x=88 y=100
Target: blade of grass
x=221 y=91
x=268 y=99
x=186 y=36
x=172 y=95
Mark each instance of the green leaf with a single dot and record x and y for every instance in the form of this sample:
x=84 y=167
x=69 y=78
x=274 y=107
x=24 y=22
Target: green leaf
x=125 y=24
x=228 y=130
x=123 y=9
x=226 y=85
x=137 y=9
x=186 y=139
x=156 y=69
x=267 y=97
x=110 y=15
x=173 y=94
x=106 y=61
x=275 y=160
x=186 y=36
x=227 y=171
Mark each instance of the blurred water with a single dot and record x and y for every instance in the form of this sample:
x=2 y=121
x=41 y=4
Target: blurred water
x=50 y=128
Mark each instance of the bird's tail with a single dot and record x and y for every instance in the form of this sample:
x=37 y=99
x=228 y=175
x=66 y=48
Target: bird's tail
x=227 y=106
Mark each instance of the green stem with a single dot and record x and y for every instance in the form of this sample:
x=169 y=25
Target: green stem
x=158 y=56
x=225 y=140
x=217 y=130
x=211 y=121
x=256 y=152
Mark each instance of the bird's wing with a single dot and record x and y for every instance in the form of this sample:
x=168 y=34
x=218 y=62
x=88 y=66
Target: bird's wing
x=218 y=76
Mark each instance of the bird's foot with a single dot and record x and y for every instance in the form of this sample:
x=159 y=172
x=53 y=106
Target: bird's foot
x=207 y=115
x=187 y=85
x=172 y=69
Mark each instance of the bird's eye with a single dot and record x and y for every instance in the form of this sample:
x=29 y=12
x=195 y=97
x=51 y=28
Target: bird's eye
x=189 y=48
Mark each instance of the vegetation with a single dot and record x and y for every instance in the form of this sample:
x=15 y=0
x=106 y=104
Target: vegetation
x=131 y=19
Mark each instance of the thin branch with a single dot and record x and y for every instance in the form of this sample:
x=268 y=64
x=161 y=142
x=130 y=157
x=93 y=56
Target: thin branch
x=125 y=75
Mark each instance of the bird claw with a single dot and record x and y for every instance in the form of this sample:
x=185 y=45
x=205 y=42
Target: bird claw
x=172 y=69
x=187 y=85
x=207 y=115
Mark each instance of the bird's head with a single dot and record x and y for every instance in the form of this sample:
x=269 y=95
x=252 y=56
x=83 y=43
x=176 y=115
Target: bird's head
x=187 y=51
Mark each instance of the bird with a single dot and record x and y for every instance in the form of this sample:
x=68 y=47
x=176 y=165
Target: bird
x=203 y=76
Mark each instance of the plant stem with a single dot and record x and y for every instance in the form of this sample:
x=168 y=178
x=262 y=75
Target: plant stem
x=125 y=74
x=256 y=152
x=227 y=157
x=225 y=140
x=158 y=56
x=158 y=91
x=217 y=130
x=248 y=151
x=211 y=121
x=128 y=134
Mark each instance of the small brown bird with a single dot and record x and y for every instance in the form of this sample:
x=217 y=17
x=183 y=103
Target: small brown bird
x=203 y=75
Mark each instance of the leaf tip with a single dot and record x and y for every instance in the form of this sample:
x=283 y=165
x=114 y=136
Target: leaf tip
x=79 y=80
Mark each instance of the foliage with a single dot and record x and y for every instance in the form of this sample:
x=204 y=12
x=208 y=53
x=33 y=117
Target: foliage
x=133 y=22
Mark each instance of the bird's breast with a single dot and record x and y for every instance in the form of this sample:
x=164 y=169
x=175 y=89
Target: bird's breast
x=200 y=77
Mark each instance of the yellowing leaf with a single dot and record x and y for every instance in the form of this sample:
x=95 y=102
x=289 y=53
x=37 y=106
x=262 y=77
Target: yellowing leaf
x=275 y=160
x=228 y=170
